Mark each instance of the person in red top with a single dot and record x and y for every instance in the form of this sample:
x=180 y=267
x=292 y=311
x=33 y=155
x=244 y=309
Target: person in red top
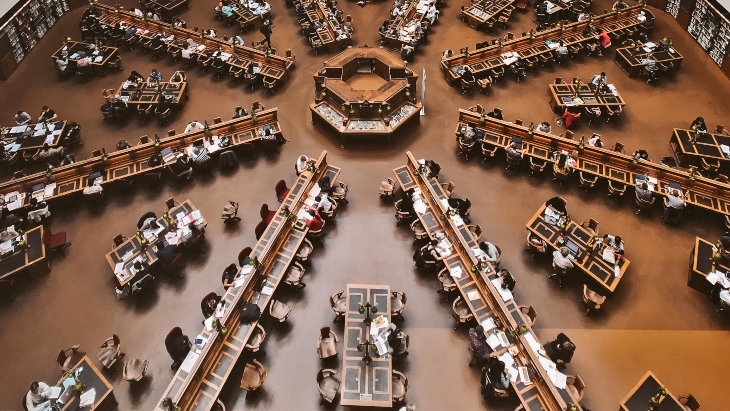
x=604 y=39
x=315 y=223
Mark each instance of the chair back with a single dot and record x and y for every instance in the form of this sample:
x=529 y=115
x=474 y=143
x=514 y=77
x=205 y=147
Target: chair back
x=260 y=228
x=170 y=203
x=170 y=133
x=243 y=254
x=518 y=122
x=593 y=225
x=324 y=333
x=690 y=402
x=477 y=231
x=47 y=237
x=118 y=240
x=96 y=153
x=558 y=80
x=61 y=358
x=144 y=139
x=280 y=188
x=217 y=120
x=449 y=188
x=264 y=211
x=722 y=178
x=618 y=147
x=569 y=134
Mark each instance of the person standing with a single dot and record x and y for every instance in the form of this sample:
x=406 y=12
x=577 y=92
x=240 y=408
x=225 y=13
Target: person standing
x=265 y=29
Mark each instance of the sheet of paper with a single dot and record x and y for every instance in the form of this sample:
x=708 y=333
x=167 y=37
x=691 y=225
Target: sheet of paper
x=558 y=378
x=267 y=290
x=220 y=310
x=493 y=341
x=524 y=375
x=512 y=373
x=507 y=359
x=239 y=282
x=314 y=192
x=208 y=323
x=55 y=392
x=456 y=272
x=505 y=293
x=532 y=342
x=420 y=207
x=488 y=324
x=458 y=220
x=546 y=363
x=87 y=398
x=189 y=362
x=473 y=295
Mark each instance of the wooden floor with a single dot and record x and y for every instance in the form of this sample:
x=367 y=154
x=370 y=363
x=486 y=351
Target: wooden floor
x=652 y=322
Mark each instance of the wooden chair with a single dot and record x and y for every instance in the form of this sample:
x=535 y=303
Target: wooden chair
x=476 y=231
x=618 y=147
x=69 y=357
x=397 y=304
x=689 y=402
x=258 y=335
x=254 y=376
x=419 y=230
x=592 y=299
x=448 y=188
x=616 y=190
x=386 y=189
x=575 y=386
x=328 y=384
x=462 y=314
x=488 y=151
x=327 y=343
x=587 y=181
x=279 y=311
x=399 y=386
x=338 y=302
x=448 y=284
x=305 y=250
x=293 y=275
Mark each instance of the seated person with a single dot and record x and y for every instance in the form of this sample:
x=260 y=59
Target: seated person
x=157 y=41
x=194 y=126
x=619 y=5
x=560 y=350
x=461 y=206
x=119 y=107
x=209 y=32
x=467 y=135
x=496 y=372
x=598 y=80
x=147 y=221
x=699 y=125
x=325 y=185
x=674 y=200
x=488 y=252
x=605 y=40
x=643 y=192
x=545 y=127
x=615 y=243
x=37 y=395
x=67 y=159
x=562 y=168
x=209 y=304
x=167 y=254
x=236 y=41
x=508 y=280
x=406 y=52
x=8 y=234
x=595 y=140
x=562 y=50
x=62 y=63
x=47 y=153
x=83 y=62
x=561 y=260
x=129 y=34
x=229 y=276
x=406 y=204
x=467 y=75
x=164 y=104
x=22 y=118
x=239 y=112
x=154 y=78
x=396 y=339
x=558 y=204
x=724 y=241
x=323 y=203
x=478 y=344
x=496 y=113
x=433 y=167
x=301 y=164
x=316 y=222
x=432 y=14
x=514 y=153
x=93 y=189
x=135 y=77
x=446 y=54
x=8 y=218
x=182 y=167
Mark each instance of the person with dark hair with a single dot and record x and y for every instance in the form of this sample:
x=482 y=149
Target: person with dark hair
x=478 y=344
x=598 y=80
x=22 y=118
x=595 y=140
x=147 y=220
x=209 y=304
x=495 y=374
x=558 y=204
x=619 y=5
x=467 y=75
x=562 y=167
x=8 y=218
x=182 y=167
x=325 y=184
x=614 y=242
x=406 y=204
x=396 y=339
x=47 y=153
x=323 y=203
x=47 y=114
x=643 y=193
x=496 y=113
x=229 y=276
x=433 y=167
x=699 y=125
x=560 y=350
x=265 y=29
x=37 y=396
x=461 y=206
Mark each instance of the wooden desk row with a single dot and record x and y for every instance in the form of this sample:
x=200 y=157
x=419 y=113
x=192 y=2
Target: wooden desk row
x=630 y=60
x=648 y=387
x=74 y=48
x=167 y=8
x=701 y=263
x=488 y=303
x=330 y=32
x=591 y=264
x=33 y=258
x=414 y=15
x=31 y=136
x=563 y=96
x=611 y=165
x=144 y=94
x=134 y=161
x=706 y=145
x=485 y=10
x=483 y=60
x=273 y=67
x=198 y=387
x=92 y=378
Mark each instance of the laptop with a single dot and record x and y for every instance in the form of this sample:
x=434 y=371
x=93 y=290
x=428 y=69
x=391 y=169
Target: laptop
x=93 y=176
x=198 y=143
x=674 y=185
x=67 y=393
x=517 y=140
x=573 y=247
x=38 y=187
x=640 y=178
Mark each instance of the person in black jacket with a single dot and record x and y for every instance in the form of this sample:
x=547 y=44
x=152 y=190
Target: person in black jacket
x=560 y=350
x=434 y=167
x=209 y=304
x=229 y=275
x=406 y=205
x=265 y=29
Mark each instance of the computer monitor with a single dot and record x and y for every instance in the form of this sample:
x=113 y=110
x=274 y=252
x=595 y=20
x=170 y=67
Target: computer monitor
x=166 y=151
x=93 y=176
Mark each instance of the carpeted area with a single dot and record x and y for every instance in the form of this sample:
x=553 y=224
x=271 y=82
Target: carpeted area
x=652 y=322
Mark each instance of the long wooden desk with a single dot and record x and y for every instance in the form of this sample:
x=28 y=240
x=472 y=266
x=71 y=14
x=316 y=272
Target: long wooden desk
x=562 y=97
x=365 y=384
x=99 y=67
x=483 y=60
x=611 y=165
x=638 y=398
x=329 y=30
x=706 y=145
x=701 y=264
x=480 y=293
x=630 y=61
x=483 y=11
x=33 y=259
x=134 y=161
x=134 y=96
x=128 y=251
x=395 y=35
x=198 y=387
x=591 y=264
x=92 y=378
x=273 y=68
x=168 y=8
x=31 y=136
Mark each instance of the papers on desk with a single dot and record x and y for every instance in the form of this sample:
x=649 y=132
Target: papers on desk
x=558 y=378
x=444 y=247
x=608 y=255
x=420 y=206
x=220 y=310
x=504 y=292
x=507 y=359
x=6 y=247
x=88 y=398
x=551 y=217
x=552 y=44
x=172 y=238
x=200 y=342
x=267 y=290
x=303 y=214
x=239 y=281
x=456 y=272
x=457 y=220
x=17 y=129
x=613 y=89
x=493 y=341
x=14 y=200
x=473 y=295
x=98 y=59
x=725 y=150
x=524 y=375
x=314 y=192
x=49 y=190
x=717 y=276
x=532 y=342
x=209 y=323
x=489 y=324
x=190 y=360
x=510 y=57
x=55 y=392
x=512 y=373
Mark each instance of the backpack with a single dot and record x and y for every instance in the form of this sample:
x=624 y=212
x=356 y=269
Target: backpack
x=249 y=313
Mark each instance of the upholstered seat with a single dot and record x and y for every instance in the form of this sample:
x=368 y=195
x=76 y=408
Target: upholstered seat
x=327 y=344
x=328 y=384
x=279 y=311
x=258 y=335
x=134 y=369
x=254 y=376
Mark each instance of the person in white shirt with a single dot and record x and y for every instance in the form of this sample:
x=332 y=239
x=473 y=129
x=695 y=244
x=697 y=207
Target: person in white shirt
x=22 y=118
x=595 y=140
x=561 y=260
x=545 y=127
x=194 y=126
x=432 y=14
x=301 y=164
x=93 y=188
x=138 y=12
x=599 y=79
x=561 y=50
x=323 y=203
x=62 y=63
x=725 y=297
x=37 y=395
x=487 y=251
x=236 y=41
x=8 y=234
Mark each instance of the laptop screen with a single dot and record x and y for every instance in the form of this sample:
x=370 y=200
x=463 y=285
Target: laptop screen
x=38 y=187
x=573 y=247
x=198 y=143
x=674 y=185
x=517 y=140
x=93 y=176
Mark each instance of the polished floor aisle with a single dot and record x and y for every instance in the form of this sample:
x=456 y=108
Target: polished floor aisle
x=652 y=322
